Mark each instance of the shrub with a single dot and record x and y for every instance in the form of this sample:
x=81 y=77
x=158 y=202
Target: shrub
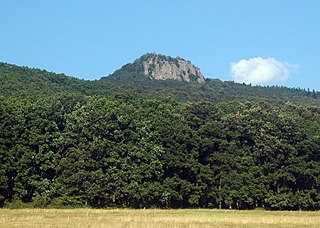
x=40 y=201
x=67 y=202
x=17 y=203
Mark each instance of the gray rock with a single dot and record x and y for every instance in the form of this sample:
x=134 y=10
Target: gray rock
x=162 y=67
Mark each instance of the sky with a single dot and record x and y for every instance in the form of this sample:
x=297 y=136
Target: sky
x=262 y=42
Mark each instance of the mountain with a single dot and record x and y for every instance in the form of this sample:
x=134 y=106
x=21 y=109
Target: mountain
x=130 y=140
x=130 y=80
x=161 y=67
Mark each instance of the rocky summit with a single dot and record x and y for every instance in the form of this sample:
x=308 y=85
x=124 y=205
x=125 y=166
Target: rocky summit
x=162 y=67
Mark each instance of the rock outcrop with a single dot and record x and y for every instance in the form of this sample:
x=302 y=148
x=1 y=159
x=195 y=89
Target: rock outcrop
x=162 y=67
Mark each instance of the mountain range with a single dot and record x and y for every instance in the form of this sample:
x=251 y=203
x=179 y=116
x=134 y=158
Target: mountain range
x=151 y=75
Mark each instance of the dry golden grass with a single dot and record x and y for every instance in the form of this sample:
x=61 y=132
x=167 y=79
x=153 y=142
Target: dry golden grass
x=155 y=218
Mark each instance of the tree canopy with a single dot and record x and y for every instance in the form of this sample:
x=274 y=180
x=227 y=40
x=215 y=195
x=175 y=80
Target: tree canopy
x=68 y=142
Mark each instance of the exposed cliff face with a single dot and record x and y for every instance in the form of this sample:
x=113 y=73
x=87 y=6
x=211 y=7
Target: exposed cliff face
x=158 y=67
x=162 y=67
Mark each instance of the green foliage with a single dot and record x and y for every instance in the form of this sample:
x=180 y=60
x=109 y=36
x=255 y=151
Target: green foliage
x=40 y=201
x=17 y=203
x=66 y=143
x=65 y=202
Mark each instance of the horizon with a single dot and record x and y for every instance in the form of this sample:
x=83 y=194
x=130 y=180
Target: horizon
x=259 y=42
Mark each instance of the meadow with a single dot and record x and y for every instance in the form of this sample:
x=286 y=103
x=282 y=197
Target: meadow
x=155 y=218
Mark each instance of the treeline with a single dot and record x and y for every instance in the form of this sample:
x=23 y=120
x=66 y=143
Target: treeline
x=25 y=82
x=131 y=78
x=98 y=151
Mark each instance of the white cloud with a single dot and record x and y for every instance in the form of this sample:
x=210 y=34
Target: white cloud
x=260 y=71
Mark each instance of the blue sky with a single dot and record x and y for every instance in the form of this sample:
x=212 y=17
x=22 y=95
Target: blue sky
x=260 y=41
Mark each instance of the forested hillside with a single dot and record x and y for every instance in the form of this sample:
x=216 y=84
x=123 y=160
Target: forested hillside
x=133 y=77
x=212 y=90
x=25 y=82
x=133 y=142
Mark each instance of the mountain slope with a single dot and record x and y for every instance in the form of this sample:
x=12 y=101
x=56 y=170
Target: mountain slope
x=161 y=67
x=66 y=142
x=24 y=82
x=145 y=76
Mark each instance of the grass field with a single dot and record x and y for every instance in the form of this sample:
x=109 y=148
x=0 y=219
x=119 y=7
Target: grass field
x=155 y=218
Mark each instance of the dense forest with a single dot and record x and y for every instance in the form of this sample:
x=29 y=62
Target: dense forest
x=138 y=143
